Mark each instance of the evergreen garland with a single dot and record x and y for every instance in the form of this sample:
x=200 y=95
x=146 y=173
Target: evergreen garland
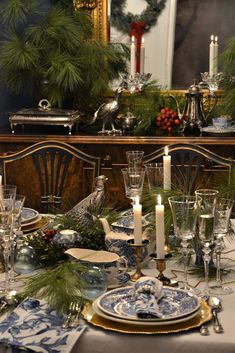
x=123 y=21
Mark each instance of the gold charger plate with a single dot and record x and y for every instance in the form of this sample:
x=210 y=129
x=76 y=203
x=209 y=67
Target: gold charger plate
x=203 y=316
x=35 y=226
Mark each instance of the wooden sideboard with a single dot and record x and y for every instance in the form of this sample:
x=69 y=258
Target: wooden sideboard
x=112 y=150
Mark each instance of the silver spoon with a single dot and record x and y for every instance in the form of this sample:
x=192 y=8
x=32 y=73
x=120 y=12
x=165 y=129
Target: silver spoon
x=204 y=331
x=216 y=305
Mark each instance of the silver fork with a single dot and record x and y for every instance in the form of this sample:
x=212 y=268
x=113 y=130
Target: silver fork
x=72 y=310
x=74 y=322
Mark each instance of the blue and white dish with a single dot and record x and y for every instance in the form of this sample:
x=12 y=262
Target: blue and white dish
x=141 y=322
x=126 y=222
x=120 y=280
x=215 y=131
x=174 y=304
x=28 y=215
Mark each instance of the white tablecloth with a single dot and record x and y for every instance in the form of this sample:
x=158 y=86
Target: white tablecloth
x=97 y=340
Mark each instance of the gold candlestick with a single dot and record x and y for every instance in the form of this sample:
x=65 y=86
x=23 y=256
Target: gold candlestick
x=138 y=256
x=161 y=266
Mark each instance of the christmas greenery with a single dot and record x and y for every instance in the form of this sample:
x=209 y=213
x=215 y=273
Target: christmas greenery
x=50 y=52
x=227 y=59
x=122 y=21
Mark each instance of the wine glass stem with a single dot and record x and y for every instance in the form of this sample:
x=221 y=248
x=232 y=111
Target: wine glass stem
x=185 y=255
x=6 y=260
x=218 y=276
x=206 y=266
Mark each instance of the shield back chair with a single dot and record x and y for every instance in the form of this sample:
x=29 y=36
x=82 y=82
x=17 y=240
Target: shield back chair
x=194 y=166
x=53 y=175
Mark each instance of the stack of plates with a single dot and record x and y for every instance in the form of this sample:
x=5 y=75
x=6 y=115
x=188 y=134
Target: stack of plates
x=30 y=219
x=218 y=132
x=115 y=310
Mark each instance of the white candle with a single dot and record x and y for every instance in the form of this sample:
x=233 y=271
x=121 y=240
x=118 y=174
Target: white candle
x=1 y=194
x=133 y=58
x=211 y=56
x=166 y=170
x=142 y=56
x=137 y=212
x=160 y=232
x=216 y=49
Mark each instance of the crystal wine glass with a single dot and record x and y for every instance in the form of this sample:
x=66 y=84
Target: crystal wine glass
x=184 y=211
x=154 y=172
x=16 y=231
x=133 y=182
x=7 y=199
x=206 y=227
x=223 y=212
x=135 y=159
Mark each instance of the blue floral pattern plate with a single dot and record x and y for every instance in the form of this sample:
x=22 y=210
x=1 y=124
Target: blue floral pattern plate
x=174 y=304
x=127 y=222
x=28 y=215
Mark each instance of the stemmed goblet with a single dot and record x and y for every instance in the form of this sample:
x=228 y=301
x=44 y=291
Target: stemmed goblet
x=133 y=182
x=154 y=172
x=16 y=230
x=206 y=227
x=184 y=211
x=222 y=219
x=7 y=199
x=135 y=159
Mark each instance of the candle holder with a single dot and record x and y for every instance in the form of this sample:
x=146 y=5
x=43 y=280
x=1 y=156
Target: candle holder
x=161 y=266
x=211 y=81
x=138 y=256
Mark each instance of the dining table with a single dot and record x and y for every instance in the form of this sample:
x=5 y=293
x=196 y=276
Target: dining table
x=96 y=339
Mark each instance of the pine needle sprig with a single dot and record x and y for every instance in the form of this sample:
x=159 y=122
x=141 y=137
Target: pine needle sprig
x=59 y=286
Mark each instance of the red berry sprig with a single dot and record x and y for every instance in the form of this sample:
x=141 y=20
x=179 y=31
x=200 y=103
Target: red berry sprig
x=167 y=119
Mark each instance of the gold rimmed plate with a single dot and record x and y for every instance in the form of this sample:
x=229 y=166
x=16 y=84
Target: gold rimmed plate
x=133 y=327
x=40 y=223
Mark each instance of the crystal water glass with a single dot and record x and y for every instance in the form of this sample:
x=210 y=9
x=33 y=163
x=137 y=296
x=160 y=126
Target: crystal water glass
x=184 y=211
x=206 y=227
x=16 y=231
x=135 y=159
x=133 y=182
x=7 y=199
x=222 y=221
x=154 y=172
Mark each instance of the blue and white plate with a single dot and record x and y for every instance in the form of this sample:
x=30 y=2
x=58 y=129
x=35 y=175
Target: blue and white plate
x=175 y=304
x=28 y=215
x=120 y=280
x=127 y=221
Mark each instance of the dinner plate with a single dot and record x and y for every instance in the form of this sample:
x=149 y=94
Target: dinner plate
x=174 y=304
x=127 y=221
x=28 y=215
x=214 y=131
x=35 y=220
x=139 y=322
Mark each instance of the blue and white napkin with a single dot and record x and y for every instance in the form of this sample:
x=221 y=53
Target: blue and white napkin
x=148 y=291
x=35 y=326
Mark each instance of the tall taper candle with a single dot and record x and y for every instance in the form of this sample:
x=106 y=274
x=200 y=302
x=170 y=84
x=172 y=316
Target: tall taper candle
x=166 y=170
x=133 y=58
x=142 y=56
x=216 y=50
x=1 y=194
x=137 y=212
x=160 y=230
x=211 y=56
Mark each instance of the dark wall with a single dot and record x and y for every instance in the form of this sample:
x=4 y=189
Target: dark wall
x=8 y=101
x=196 y=20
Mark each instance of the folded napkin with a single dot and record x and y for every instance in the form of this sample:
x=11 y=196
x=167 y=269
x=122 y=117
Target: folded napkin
x=35 y=326
x=147 y=291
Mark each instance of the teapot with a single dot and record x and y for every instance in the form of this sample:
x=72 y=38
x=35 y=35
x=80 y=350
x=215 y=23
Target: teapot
x=194 y=115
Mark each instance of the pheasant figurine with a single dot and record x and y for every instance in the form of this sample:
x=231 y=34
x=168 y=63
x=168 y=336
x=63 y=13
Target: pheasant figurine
x=82 y=212
x=108 y=112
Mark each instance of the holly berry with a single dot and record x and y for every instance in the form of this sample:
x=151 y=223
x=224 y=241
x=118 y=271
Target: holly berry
x=167 y=119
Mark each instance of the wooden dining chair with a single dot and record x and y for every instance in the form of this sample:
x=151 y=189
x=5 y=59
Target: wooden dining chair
x=52 y=175
x=194 y=166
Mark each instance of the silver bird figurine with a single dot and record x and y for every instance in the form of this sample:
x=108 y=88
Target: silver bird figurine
x=108 y=112
x=82 y=212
